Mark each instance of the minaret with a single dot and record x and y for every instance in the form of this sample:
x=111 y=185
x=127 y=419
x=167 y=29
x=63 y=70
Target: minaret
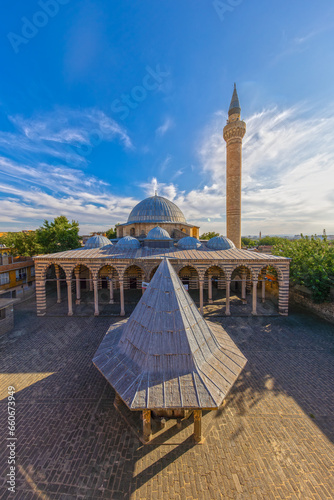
x=233 y=134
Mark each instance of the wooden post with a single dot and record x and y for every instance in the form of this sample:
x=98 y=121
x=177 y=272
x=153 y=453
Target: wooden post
x=77 y=285
x=227 y=310
x=263 y=289
x=90 y=282
x=147 y=431
x=254 y=297
x=201 y=296
x=69 y=297
x=58 y=284
x=111 y=289
x=198 y=425
x=210 y=288
x=121 y=293
x=96 y=298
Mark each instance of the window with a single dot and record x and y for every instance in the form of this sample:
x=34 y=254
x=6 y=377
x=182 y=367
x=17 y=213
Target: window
x=32 y=271
x=21 y=274
x=2 y=313
x=4 y=278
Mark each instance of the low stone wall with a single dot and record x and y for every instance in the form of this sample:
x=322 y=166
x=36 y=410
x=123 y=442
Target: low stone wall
x=324 y=310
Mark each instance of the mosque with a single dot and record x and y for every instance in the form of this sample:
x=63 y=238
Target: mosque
x=157 y=229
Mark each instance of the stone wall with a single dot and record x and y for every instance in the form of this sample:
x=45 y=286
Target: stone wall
x=324 y=310
x=6 y=319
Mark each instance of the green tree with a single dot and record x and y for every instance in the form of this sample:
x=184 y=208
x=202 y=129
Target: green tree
x=270 y=240
x=23 y=244
x=248 y=242
x=312 y=264
x=111 y=233
x=208 y=236
x=59 y=235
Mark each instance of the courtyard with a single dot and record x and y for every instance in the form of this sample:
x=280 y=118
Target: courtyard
x=272 y=439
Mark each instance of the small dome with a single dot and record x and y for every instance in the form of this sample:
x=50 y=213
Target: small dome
x=220 y=243
x=156 y=209
x=97 y=241
x=128 y=242
x=188 y=243
x=157 y=233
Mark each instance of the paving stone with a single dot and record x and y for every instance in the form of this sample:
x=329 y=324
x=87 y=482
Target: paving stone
x=273 y=439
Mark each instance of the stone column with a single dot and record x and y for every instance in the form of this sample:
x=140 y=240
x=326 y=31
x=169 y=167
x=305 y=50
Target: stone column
x=58 y=284
x=283 y=297
x=210 y=288
x=69 y=296
x=198 y=425
x=121 y=294
x=227 y=310
x=77 y=286
x=254 y=297
x=111 y=290
x=40 y=297
x=201 y=286
x=147 y=430
x=243 y=288
x=96 y=297
x=263 y=296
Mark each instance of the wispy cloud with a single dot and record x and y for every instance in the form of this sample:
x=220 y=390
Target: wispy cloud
x=167 y=125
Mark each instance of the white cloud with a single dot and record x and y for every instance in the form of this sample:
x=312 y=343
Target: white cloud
x=167 y=125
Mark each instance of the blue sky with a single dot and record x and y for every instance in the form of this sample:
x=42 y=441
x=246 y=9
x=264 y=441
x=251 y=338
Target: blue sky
x=102 y=102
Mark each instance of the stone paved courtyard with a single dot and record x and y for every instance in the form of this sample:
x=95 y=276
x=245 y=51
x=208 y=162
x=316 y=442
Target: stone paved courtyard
x=273 y=439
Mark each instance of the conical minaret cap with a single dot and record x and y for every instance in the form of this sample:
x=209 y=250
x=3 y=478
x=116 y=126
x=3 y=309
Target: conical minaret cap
x=235 y=104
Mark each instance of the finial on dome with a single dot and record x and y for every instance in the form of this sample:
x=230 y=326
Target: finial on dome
x=235 y=104
x=155 y=193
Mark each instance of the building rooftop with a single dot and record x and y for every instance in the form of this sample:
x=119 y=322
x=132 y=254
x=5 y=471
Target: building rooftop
x=166 y=355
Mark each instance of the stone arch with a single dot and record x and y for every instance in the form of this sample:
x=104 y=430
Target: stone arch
x=48 y=265
x=133 y=277
x=152 y=272
x=276 y=268
x=218 y=276
x=189 y=275
x=105 y=273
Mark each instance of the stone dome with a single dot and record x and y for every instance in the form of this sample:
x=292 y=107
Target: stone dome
x=220 y=243
x=156 y=209
x=157 y=233
x=189 y=243
x=97 y=241
x=128 y=242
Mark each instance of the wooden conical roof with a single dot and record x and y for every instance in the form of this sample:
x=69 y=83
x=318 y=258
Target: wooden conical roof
x=166 y=355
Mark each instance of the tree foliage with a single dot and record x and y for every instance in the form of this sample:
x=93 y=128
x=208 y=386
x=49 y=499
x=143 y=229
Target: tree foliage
x=312 y=264
x=22 y=243
x=208 y=236
x=270 y=240
x=111 y=233
x=58 y=235
x=248 y=242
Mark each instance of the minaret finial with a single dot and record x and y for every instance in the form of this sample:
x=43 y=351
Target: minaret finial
x=235 y=104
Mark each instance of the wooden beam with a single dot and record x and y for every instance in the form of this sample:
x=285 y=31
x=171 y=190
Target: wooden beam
x=147 y=430
x=198 y=425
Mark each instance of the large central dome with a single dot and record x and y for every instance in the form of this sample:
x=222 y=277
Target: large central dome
x=156 y=209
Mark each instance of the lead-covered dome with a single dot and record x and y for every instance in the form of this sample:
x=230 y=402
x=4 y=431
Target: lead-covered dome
x=189 y=243
x=220 y=243
x=97 y=241
x=157 y=233
x=156 y=209
x=128 y=242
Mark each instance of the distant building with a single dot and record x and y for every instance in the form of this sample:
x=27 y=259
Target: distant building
x=17 y=274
